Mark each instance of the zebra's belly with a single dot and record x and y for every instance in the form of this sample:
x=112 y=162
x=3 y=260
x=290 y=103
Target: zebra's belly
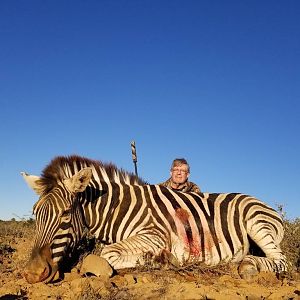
x=189 y=252
x=209 y=251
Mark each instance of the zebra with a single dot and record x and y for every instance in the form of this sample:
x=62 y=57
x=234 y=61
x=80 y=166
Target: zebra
x=135 y=219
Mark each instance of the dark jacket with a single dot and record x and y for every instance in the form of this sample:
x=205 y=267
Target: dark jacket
x=186 y=187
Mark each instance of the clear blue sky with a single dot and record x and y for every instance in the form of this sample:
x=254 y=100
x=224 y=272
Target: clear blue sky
x=216 y=82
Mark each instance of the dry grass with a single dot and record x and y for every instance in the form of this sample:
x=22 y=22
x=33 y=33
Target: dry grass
x=14 y=232
x=16 y=229
x=291 y=241
x=11 y=233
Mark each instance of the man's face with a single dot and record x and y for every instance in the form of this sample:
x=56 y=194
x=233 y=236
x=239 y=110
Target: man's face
x=179 y=173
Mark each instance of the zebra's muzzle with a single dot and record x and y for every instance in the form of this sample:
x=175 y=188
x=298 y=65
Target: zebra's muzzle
x=40 y=267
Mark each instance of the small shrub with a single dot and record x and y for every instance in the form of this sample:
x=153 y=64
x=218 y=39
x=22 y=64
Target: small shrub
x=291 y=242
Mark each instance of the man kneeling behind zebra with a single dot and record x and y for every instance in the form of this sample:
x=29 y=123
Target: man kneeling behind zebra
x=179 y=180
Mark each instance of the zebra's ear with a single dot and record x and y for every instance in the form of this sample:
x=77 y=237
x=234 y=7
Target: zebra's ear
x=78 y=182
x=32 y=181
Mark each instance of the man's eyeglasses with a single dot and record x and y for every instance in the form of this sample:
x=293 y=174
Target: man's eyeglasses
x=179 y=170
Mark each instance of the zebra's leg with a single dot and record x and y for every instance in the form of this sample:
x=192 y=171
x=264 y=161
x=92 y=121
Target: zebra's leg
x=164 y=259
x=268 y=240
x=252 y=265
x=127 y=253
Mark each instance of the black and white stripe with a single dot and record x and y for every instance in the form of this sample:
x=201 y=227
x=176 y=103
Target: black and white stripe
x=134 y=219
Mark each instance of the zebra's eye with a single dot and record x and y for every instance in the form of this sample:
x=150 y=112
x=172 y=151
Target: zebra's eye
x=66 y=213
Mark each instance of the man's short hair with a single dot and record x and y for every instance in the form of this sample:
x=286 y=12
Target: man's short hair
x=179 y=162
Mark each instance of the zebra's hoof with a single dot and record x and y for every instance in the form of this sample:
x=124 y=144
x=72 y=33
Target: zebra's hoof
x=247 y=271
x=283 y=275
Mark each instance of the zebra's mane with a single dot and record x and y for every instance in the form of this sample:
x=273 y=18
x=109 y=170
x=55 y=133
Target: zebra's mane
x=62 y=167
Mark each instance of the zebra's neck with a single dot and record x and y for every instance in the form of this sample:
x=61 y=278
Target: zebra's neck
x=105 y=207
x=110 y=216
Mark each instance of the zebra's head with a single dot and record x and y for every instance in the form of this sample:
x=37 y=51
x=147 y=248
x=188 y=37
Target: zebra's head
x=66 y=188
x=59 y=222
